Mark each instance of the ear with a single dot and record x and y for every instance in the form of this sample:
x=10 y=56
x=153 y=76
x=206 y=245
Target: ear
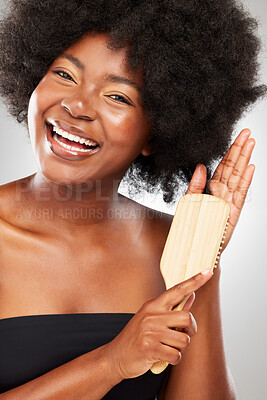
x=148 y=148
x=146 y=151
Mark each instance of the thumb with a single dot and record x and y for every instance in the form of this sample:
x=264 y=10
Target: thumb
x=198 y=181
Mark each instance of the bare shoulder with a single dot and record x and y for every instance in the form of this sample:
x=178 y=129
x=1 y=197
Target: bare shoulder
x=156 y=225
x=14 y=208
x=147 y=230
x=11 y=194
x=7 y=199
x=159 y=224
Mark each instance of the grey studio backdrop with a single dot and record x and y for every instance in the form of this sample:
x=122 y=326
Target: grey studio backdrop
x=244 y=272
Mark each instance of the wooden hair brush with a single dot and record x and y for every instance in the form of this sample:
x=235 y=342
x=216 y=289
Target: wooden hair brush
x=193 y=243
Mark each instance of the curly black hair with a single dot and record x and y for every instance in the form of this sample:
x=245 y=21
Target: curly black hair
x=199 y=59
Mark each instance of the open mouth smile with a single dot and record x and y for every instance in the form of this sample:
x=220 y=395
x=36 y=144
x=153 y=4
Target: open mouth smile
x=68 y=145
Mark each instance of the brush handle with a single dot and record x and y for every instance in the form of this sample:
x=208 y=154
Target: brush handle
x=159 y=366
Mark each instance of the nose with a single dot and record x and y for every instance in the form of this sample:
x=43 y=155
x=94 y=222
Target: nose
x=77 y=107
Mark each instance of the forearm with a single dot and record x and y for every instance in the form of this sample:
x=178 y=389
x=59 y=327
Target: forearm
x=86 y=377
x=202 y=373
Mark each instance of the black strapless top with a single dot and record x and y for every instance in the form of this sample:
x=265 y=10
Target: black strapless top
x=32 y=345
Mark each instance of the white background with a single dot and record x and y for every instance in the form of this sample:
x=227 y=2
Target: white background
x=244 y=275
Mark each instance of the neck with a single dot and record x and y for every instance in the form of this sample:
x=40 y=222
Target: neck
x=76 y=204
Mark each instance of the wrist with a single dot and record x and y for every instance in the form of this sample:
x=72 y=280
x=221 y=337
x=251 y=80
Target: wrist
x=110 y=371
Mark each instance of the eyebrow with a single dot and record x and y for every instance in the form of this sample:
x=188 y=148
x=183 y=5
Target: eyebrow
x=108 y=77
x=74 y=60
x=123 y=80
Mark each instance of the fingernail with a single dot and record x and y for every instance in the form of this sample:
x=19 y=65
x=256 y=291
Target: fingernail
x=206 y=272
x=198 y=170
x=247 y=134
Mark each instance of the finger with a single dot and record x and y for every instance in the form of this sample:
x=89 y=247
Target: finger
x=242 y=189
x=236 y=151
x=241 y=165
x=225 y=167
x=173 y=296
x=182 y=320
x=178 y=340
x=168 y=354
x=175 y=320
x=198 y=181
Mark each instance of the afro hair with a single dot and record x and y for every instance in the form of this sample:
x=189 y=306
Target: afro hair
x=199 y=60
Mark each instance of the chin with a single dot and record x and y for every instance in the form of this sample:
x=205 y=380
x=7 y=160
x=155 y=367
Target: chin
x=64 y=180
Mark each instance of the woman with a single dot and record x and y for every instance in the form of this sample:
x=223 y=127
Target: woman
x=143 y=90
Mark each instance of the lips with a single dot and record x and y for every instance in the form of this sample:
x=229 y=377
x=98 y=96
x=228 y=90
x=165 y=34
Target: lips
x=74 y=130
x=59 y=148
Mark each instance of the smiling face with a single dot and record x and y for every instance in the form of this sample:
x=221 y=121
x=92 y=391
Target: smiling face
x=95 y=107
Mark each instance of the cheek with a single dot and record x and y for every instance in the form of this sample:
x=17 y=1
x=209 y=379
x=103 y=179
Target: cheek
x=127 y=128
x=33 y=110
x=38 y=104
x=41 y=99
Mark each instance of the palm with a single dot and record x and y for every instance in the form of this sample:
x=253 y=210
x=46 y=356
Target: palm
x=231 y=179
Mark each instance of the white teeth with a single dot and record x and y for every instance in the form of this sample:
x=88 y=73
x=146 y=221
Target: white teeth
x=62 y=133
x=75 y=148
x=73 y=138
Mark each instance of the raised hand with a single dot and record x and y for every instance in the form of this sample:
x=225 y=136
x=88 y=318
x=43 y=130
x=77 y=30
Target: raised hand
x=231 y=179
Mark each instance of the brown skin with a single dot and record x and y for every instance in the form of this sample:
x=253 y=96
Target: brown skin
x=77 y=243
x=204 y=360
x=56 y=261
x=88 y=101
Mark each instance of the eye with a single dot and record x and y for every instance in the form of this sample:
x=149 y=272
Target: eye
x=64 y=75
x=120 y=98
